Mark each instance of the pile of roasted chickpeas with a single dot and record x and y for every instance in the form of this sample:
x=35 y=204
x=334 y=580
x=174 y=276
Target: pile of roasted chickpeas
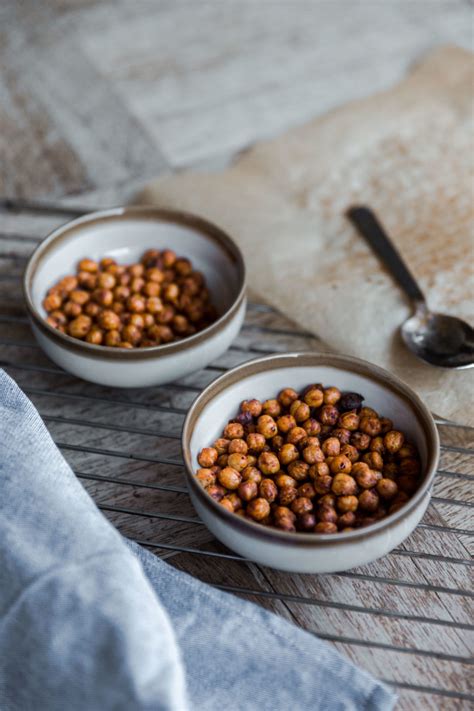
x=158 y=300
x=315 y=461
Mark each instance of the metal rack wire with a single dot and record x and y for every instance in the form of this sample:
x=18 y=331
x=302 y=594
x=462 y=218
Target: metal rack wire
x=102 y=432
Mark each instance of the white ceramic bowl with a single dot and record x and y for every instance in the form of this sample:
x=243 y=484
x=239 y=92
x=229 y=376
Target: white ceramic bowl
x=264 y=378
x=125 y=233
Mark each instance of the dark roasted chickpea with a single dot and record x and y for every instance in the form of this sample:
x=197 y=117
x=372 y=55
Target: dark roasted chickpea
x=390 y=470
x=248 y=490
x=287 y=454
x=252 y=474
x=350 y=401
x=349 y=421
x=182 y=266
x=287 y=495
x=95 y=336
x=373 y=459
x=206 y=477
x=347 y=503
x=350 y=452
x=298 y=470
x=233 y=430
x=328 y=415
x=230 y=478
x=88 y=265
x=346 y=520
x=370 y=425
x=387 y=488
x=254 y=407
x=216 y=492
x=300 y=410
x=314 y=397
x=267 y=426
x=256 y=441
x=79 y=327
x=328 y=500
x=112 y=338
x=343 y=485
x=301 y=505
x=368 y=412
x=306 y=522
x=207 y=457
x=341 y=463
x=385 y=425
x=306 y=490
x=285 y=524
x=407 y=484
x=285 y=423
x=377 y=445
x=268 y=490
x=407 y=451
x=258 y=509
x=296 y=435
x=332 y=396
x=272 y=408
x=237 y=461
x=268 y=463
x=331 y=447
x=409 y=466
x=369 y=500
x=360 y=441
x=319 y=469
x=322 y=484
x=325 y=527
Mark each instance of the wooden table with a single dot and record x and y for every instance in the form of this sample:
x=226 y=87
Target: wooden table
x=96 y=98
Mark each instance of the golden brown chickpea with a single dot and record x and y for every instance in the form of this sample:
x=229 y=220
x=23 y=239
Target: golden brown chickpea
x=326 y=513
x=125 y=344
x=268 y=463
x=109 y=320
x=232 y=502
x=107 y=262
x=288 y=454
x=237 y=461
x=310 y=442
x=410 y=467
x=328 y=415
x=161 y=333
x=248 y=490
x=136 y=320
x=136 y=304
x=341 y=463
x=253 y=407
x=268 y=490
x=350 y=452
x=385 y=425
x=373 y=459
x=168 y=258
x=95 y=336
x=377 y=445
x=407 y=451
x=91 y=309
x=237 y=446
x=367 y=479
x=312 y=427
x=349 y=421
x=314 y=397
x=207 y=457
x=154 y=305
x=88 y=265
x=154 y=275
x=282 y=480
x=393 y=441
x=277 y=443
x=343 y=485
x=87 y=280
x=298 y=470
x=313 y=454
x=331 y=447
x=369 y=500
x=106 y=281
x=112 y=338
x=322 y=484
x=287 y=396
x=229 y=478
x=387 y=488
x=171 y=293
x=216 y=492
x=368 y=412
x=252 y=460
x=206 y=477
x=59 y=316
x=233 y=430
x=131 y=334
x=307 y=490
x=256 y=441
x=272 y=408
x=165 y=315
x=136 y=270
x=332 y=396
x=68 y=283
x=267 y=426
x=53 y=322
x=121 y=293
x=285 y=423
x=251 y=473
x=283 y=511
x=328 y=500
x=180 y=324
x=325 y=527
x=124 y=279
x=296 y=436
x=284 y=523
x=221 y=445
x=346 y=520
x=319 y=469
x=301 y=505
x=370 y=425
x=79 y=327
x=347 y=503
x=52 y=302
x=148 y=320
x=360 y=441
x=287 y=495
x=300 y=411
x=258 y=509
x=151 y=288
x=136 y=285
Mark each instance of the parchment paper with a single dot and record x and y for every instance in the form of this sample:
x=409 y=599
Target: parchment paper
x=408 y=153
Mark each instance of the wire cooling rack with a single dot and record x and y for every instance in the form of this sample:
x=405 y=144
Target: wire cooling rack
x=406 y=618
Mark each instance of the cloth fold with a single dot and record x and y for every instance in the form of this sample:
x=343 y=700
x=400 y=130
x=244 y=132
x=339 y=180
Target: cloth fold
x=90 y=621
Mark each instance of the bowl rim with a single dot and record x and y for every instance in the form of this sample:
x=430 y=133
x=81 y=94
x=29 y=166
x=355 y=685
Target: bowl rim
x=144 y=212
x=310 y=358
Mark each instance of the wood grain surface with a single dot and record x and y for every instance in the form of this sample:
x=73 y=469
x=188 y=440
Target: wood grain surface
x=96 y=98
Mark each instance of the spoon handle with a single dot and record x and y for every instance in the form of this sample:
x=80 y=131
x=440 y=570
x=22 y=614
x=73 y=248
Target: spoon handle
x=370 y=228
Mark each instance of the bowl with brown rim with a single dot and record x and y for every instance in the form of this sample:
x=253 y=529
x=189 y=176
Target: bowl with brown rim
x=309 y=552
x=125 y=233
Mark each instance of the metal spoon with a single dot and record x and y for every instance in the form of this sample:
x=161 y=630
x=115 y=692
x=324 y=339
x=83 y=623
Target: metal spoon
x=438 y=339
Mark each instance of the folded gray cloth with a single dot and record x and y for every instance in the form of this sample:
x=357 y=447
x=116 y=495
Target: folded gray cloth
x=90 y=622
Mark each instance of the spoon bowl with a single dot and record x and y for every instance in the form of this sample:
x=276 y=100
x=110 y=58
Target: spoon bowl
x=441 y=340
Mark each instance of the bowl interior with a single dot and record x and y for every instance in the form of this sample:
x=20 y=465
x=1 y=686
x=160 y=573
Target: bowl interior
x=268 y=382
x=125 y=237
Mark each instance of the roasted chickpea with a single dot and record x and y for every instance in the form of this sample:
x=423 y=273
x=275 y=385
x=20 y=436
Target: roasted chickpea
x=373 y=459
x=370 y=425
x=237 y=461
x=287 y=396
x=95 y=336
x=393 y=441
x=182 y=266
x=343 y=485
x=407 y=451
x=319 y=469
x=298 y=470
x=268 y=490
x=314 y=397
x=52 y=302
x=206 y=477
x=332 y=396
x=232 y=502
x=112 y=338
x=91 y=309
x=347 y=503
x=131 y=334
x=258 y=509
x=256 y=442
x=233 y=430
x=287 y=454
x=272 y=408
x=248 y=490
x=79 y=327
x=207 y=457
x=313 y=454
x=300 y=411
x=230 y=478
x=251 y=473
x=285 y=524
x=88 y=265
x=360 y=441
x=287 y=495
x=312 y=427
x=151 y=288
x=301 y=505
x=267 y=426
x=385 y=425
x=328 y=415
x=59 y=316
x=237 y=446
x=387 y=488
x=306 y=490
x=410 y=467
x=268 y=463
x=369 y=500
x=136 y=303
x=368 y=412
x=285 y=423
x=296 y=435
x=377 y=445
x=366 y=478
x=350 y=452
x=253 y=407
x=109 y=320
x=331 y=447
x=346 y=520
x=341 y=463
x=306 y=522
x=325 y=527
x=349 y=421
x=328 y=500
x=106 y=281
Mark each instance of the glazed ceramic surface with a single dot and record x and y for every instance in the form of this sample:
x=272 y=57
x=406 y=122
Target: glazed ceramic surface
x=264 y=378
x=124 y=234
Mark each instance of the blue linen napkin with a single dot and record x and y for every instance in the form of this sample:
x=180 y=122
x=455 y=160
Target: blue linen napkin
x=91 y=622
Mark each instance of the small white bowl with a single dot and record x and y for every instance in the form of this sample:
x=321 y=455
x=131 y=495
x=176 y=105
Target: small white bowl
x=124 y=233
x=264 y=378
